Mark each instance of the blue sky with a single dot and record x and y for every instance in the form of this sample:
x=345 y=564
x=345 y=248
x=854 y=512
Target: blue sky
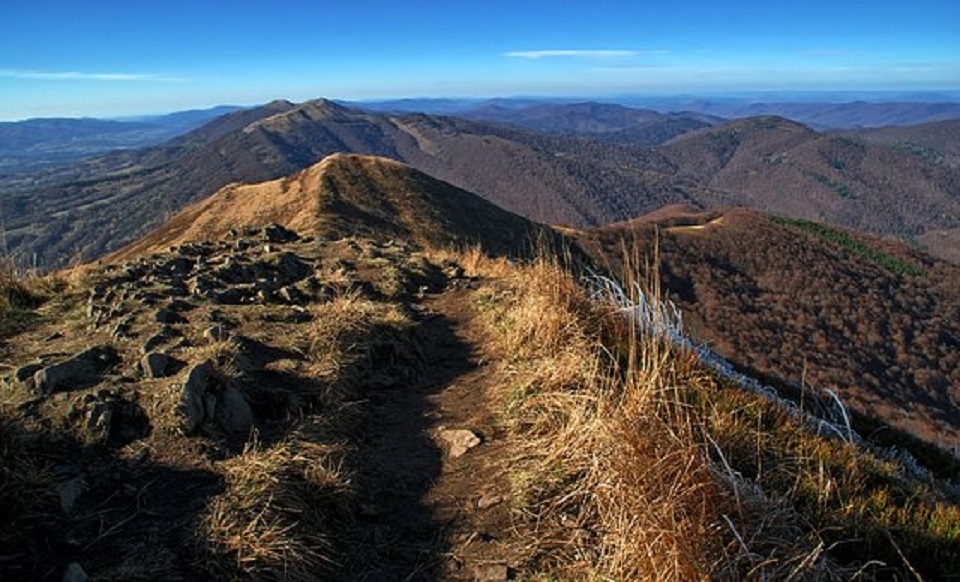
x=125 y=57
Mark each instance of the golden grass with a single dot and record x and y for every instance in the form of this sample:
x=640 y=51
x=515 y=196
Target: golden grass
x=282 y=512
x=343 y=331
x=606 y=486
x=29 y=508
x=633 y=462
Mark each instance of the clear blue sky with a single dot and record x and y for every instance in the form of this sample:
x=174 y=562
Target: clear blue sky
x=123 y=57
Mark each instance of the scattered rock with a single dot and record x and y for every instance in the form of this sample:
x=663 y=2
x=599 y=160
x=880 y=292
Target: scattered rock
x=75 y=573
x=69 y=492
x=155 y=365
x=216 y=333
x=156 y=340
x=25 y=372
x=106 y=416
x=203 y=401
x=233 y=412
x=122 y=329
x=193 y=396
x=169 y=316
x=76 y=372
x=459 y=441
x=278 y=234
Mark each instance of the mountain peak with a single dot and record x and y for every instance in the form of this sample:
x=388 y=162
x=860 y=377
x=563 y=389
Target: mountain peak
x=348 y=195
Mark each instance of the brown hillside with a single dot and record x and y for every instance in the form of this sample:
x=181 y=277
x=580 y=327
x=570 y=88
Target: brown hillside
x=768 y=163
x=348 y=195
x=798 y=302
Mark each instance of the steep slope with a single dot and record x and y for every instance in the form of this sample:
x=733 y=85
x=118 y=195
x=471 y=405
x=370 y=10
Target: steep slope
x=349 y=195
x=937 y=141
x=780 y=166
x=801 y=303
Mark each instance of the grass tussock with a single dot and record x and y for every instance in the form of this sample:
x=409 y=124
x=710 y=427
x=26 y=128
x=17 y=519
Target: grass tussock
x=282 y=513
x=18 y=298
x=635 y=462
x=29 y=508
x=350 y=332
x=606 y=486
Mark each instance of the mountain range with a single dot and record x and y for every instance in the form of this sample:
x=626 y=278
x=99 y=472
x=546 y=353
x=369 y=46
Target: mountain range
x=34 y=144
x=605 y=171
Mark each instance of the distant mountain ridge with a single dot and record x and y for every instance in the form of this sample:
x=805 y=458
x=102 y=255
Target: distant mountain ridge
x=768 y=162
x=35 y=144
x=834 y=111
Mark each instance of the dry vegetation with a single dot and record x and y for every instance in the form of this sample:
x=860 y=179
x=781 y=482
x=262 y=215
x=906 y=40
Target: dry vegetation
x=626 y=459
x=632 y=462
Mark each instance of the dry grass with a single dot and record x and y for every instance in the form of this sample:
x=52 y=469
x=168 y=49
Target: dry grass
x=610 y=482
x=346 y=331
x=282 y=513
x=29 y=508
x=634 y=462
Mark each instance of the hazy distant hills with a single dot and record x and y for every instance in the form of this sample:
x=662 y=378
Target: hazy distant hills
x=37 y=143
x=797 y=302
x=837 y=111
x=769 y=163
x=836 y=115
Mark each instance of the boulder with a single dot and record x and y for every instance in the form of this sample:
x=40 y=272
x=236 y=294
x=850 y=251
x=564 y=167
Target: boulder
x=167 y=315
x=69 y=492
x=234 y=413
x=75 y=573
x=278 y=234
x=25 y=373
x=155 y=365
x=83 y=369
x=193 y=394
x=204 y=400
x=459 y=441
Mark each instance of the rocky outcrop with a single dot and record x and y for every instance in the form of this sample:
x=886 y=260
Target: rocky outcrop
x=82 y=370
x=207 y=401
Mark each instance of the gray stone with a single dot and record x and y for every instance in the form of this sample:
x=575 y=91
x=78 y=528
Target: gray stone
x=291 y=268
x=155 y=364
x=82 y=369
x=216 y=333
x=75 y=573
x=26 y=372
x=69 y=492
x=193 y=395
x=459 y=441
x=167 y=315
x=234 y=413
x=278 y=234
x=156 y=340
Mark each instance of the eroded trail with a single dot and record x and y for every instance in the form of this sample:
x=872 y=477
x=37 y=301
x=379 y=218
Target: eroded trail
x=434 y=499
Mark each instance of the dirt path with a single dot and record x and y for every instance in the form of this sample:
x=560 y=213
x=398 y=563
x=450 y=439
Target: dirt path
x=434 y=513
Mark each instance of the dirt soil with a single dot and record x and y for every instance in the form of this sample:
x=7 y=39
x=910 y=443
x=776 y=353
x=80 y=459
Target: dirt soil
x=423 y=507
x=431 y=515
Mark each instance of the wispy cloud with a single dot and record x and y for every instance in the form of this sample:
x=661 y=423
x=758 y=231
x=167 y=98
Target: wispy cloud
x=577 y=53
x=827 y=52
x=78 y=76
